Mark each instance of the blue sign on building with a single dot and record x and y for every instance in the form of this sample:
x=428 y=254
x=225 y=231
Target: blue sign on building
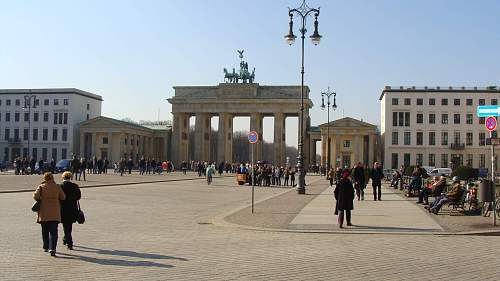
x=488 y=110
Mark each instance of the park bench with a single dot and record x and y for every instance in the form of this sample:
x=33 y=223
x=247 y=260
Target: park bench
x=460 y=204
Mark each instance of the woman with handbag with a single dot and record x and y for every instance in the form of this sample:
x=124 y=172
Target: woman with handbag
x=49 y=195
x=69 y=208
x=344 y=194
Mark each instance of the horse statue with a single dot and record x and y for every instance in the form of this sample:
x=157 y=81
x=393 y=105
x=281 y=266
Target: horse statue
x=230 y=77
x=252 y=76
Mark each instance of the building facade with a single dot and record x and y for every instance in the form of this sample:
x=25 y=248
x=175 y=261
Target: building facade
x=50 y=128
x=435 y=127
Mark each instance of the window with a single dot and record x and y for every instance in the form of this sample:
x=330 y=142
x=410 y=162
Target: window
x=432 y=101
x=16 y=134
x=468 y=118
x=65 y=101
x=494 y=102
x=394 y=119
x=482 y=139
x=37 y=102
x=64 y=153
x=60 y=118
x=432 y=138
x=444 y=118
x=0 y=116
x=44 y=154
x=26 y=116
x=65 y=118
x=468 y=138
x=105 y=140
x=64 y=135
x=432 y=159
x=16 y=117
x=35 y=134
x=54 y=154
x=482 y=102
x=46 y=102
x=7 y=102
x=420 y=159
x=347 y=143
x=444 y=160
x=407 y=119
x=444 y=138
x=35 y=116
x=420 y=138
x=432 y=118
x=401 y=119
x=394 y=161
x=457 y=137
x=55 y=117
x=469 y=102
x=87 y=116
x=395 y=138
x=25 y=152
x=407 y=101
x=469 y=160
x=34 y=153
x=420 y=118
x=56 y=102
x=54 y=134
x=482 y=160
x=420 y=101
x=45 y=117
x=18 y=102
x=0 y=102
x=407 y=138
x=7 y=117
x=482 y=120
x=45 y=134
x=7 y=134
x=444 y=101
x=456 y=101
x=26 y=133
x=456 y=118
x=88 y=106
x=406 y=159
x=395 y=101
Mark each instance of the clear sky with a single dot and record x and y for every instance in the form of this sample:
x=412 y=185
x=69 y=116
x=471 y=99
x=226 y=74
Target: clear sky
x=133 y=52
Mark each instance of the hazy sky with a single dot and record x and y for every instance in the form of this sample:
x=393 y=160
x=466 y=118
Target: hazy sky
x=133 y=52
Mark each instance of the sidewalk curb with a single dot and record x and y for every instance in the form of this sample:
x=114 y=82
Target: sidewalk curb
x=108 y=184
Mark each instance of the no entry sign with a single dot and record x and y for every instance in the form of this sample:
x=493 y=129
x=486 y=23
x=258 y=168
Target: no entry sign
x=491 y=123
x=253 y=137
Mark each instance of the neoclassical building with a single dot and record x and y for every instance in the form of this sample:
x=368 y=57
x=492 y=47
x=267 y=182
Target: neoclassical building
x=351 y=141
x=112 y=139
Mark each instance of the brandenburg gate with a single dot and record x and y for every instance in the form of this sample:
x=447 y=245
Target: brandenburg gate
x=237 y=96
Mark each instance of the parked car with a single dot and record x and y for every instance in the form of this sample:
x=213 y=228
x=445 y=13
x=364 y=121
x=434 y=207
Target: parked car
x=3 y=166
x=440 y=171
x=63 y=166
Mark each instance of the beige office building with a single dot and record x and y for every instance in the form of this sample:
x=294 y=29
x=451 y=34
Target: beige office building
x=435 y=126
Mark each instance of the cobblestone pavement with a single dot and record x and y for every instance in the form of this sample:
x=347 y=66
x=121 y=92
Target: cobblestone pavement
x=16 y=183
x=159 y=232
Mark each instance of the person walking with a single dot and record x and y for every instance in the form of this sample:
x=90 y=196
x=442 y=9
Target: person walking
x=69 y=207
x=121 y=166
x=359 y=181
x=331 y=175
x=75 y=166
x=344 y=194
x=83 y=166
x=49 y=216
x=210 y=172
x=377 y=175
x=292 y=177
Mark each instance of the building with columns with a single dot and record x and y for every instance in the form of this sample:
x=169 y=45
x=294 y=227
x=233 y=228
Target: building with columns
x=109 y=138
x=351 y=141
x=229 y=100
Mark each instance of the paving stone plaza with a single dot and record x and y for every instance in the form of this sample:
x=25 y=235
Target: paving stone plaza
x=186 y=230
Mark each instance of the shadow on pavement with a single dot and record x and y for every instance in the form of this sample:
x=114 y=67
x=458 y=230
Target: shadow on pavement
x=115 y=262
x=391 y=228
x=126 y=253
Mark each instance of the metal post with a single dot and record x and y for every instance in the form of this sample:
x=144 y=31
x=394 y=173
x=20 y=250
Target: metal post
x=493 y=180
x=328 y=139
x=253 y=177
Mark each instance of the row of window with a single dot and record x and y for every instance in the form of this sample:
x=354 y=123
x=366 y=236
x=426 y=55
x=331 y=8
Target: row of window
x=59 y=117
x=445 y=160
x=444 y=138
x=444 y=101
x=402 y=119
x=9 y=153
x=27 y=103
x=35 y=134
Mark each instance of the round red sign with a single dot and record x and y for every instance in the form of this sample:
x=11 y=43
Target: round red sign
x=491 y=123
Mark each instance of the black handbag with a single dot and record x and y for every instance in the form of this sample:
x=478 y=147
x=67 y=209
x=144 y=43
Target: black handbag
x=80 y=216
x=37 y=205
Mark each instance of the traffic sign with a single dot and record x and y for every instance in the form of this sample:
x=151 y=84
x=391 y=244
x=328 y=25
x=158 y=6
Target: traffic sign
x=253 y=137
x=491 y=123
x=488 y=110
x=493 y=141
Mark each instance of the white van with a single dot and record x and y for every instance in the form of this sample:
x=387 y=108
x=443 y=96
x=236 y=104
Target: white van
x=440 y=171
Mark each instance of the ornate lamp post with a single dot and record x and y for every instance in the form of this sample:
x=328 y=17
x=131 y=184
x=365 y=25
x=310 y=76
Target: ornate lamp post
x=328 y=94
x=29 y=106
x=302 y=12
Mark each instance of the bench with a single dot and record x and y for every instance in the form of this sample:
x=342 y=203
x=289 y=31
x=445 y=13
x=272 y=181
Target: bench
x=460 y=204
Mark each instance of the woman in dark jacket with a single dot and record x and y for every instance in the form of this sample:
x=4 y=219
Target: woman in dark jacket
x=69 y=207
x=344 y=194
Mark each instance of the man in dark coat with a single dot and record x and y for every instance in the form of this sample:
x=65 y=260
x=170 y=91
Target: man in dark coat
x=344 y=194
x=69 y=208
x=75 y=166
x=377 y=175
x=359 y=181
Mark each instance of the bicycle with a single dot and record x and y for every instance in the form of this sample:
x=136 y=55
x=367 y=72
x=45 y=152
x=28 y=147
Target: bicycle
x=487 y=207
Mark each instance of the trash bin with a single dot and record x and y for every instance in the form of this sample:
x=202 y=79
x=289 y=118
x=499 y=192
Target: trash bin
x=486 y=191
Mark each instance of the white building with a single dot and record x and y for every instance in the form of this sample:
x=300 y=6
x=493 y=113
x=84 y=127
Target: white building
x=435 y=127
x=51 y=130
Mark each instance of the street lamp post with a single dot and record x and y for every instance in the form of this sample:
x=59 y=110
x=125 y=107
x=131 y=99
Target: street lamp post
x=27 y=105
x=302 y=12
x=328 y=94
